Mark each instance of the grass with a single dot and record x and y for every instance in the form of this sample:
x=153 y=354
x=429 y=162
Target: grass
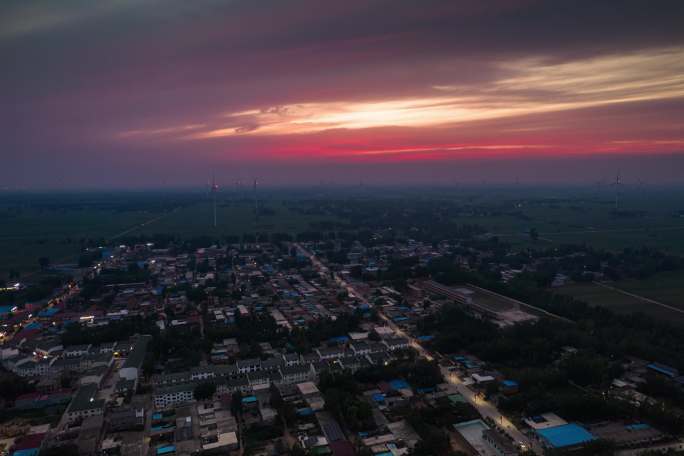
x=57 y=234
x=589 y=219
x=31 y=233
x=667 y=288
x=232 y=219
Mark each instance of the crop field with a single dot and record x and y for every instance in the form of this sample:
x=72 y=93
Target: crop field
x=58 y=233
x=232 y=219
x=665 y=288
x=56 y=225
x=642 y=223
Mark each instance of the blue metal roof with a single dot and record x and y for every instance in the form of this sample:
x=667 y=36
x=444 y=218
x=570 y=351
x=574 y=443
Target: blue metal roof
x=26 y=452
x=339 y=339
x=638 y=427
x=166 y=449
x=399 y=384
x=665 y=370
x=249 y=399
x=50 y=311
x=565 y=435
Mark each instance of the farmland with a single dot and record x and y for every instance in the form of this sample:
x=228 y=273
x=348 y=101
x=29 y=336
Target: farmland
x=48 y=228
x=59 y=225
x=666 y=288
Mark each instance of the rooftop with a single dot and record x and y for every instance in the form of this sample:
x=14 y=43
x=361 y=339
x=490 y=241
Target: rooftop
x=565 y=435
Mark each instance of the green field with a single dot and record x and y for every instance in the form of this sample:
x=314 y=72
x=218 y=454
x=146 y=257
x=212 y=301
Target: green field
x=232 y=219
x=589 y=222
x=667 y=288
x=56 y=233
x=55 y=225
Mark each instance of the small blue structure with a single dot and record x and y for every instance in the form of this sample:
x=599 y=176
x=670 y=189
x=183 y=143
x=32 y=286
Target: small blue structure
x=425 y=338
x=399 y=384
x=166 y=449
x=306 y=411
x=378 y=397
x=566 y=435
x=49 y=312
x=249 y=400
x=510 y=383
x=26 y=452
x=663 y=369
x=638 y=427
x=339 y=339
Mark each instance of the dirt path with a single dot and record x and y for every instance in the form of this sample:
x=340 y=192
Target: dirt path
x=640 y=298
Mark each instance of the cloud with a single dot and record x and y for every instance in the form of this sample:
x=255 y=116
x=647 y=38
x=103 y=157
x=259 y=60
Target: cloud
x=529 y=86
x=251 y=83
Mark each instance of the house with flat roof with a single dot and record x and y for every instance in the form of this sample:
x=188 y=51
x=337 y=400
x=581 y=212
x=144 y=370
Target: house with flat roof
x=564 y=436
x=85 y=403
x=132 y=367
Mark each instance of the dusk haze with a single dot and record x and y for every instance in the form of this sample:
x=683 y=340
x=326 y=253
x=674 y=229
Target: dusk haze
x=159 y=93
x=342 y=228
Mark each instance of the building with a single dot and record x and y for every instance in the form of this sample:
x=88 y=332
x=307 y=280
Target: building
x=297 y=374
x=311 y=395
x=85 y=403
x=168 y=396
x=501 y=445
x=132 y=367
x=127 y=419
x=565 y=436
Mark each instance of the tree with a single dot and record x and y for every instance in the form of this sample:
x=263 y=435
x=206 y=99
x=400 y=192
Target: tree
x=534 y=234
x=44 y=263
x=236 y=403
x=204 y=391
x=11 y=386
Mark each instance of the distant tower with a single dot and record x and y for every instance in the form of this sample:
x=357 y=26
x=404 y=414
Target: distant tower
x=214 y=190
x=256 y=201
x=617 y=184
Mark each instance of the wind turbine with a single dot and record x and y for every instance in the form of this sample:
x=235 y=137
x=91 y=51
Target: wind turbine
x=256 y=201
x=617 y=184
x=214 y=189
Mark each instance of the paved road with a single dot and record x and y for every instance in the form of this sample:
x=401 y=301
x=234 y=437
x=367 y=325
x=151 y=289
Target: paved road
x=484 y=407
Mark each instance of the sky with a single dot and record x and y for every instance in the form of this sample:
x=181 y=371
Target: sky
x=153 y=93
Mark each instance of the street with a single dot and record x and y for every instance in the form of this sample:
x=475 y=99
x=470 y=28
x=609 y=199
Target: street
x=485 y=408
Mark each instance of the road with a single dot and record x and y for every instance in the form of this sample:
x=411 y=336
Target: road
x=484 y=407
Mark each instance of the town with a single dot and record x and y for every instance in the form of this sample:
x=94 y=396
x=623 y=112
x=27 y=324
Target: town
x=320 y=347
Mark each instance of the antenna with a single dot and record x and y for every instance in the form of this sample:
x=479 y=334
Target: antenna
x=214 y=190
x=256 y=201
x=617 y=184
